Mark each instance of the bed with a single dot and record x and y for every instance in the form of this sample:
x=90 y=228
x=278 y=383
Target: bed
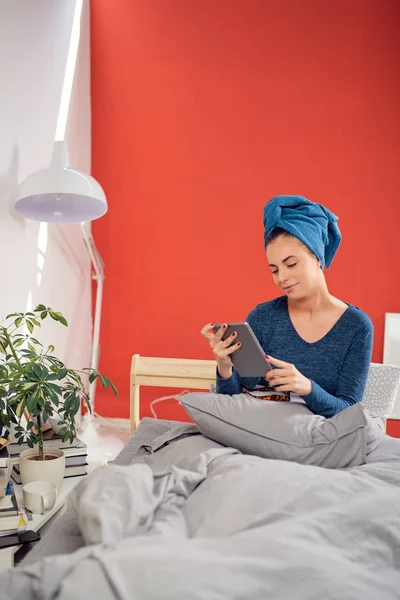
x=65 y=536
x=205 y=521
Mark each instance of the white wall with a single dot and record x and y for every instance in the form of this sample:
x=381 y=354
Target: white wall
x=43 y=263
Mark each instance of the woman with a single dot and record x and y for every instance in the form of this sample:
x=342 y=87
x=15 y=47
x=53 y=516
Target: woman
x=320 y=346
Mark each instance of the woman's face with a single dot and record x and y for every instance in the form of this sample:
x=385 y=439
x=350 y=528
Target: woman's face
x=294 y=269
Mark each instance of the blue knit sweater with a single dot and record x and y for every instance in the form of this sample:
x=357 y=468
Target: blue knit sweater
x=337 y=365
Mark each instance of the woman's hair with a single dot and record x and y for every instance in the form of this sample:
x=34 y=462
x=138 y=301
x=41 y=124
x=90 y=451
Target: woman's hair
x=277 y=233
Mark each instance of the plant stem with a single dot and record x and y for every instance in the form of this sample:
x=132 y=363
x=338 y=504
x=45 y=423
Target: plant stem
x=40 y=436
x=13 y=352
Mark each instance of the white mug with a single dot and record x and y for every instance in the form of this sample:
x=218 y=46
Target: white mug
x=39 y=496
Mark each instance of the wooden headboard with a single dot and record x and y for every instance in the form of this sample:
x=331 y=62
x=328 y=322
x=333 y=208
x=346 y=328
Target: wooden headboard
x=167 y=372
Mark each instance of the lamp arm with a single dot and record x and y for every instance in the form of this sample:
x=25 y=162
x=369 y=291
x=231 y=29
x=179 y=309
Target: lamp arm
x=97 y=264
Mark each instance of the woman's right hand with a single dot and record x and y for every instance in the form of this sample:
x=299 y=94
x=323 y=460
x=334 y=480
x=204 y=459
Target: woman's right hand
x=222 y=348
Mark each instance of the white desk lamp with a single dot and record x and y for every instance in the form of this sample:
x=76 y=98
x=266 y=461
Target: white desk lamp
x=60 y=194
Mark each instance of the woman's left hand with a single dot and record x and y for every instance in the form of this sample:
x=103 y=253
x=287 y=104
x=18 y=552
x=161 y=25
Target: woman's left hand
x=286 y=378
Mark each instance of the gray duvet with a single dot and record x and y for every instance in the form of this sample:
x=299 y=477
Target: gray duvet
x=192 y=519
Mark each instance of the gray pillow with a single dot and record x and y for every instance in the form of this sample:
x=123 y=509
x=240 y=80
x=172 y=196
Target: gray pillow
x=280 y=430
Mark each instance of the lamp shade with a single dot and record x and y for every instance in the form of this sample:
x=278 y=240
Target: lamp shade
x=60 y=194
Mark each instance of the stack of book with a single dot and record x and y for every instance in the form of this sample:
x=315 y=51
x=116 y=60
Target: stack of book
x=75 y=455
x=10 y=514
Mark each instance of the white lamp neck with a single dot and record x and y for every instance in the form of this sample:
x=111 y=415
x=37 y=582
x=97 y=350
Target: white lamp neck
x=60 y=158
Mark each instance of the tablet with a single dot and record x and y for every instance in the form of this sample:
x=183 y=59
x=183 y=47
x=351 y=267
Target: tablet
x=249 y=360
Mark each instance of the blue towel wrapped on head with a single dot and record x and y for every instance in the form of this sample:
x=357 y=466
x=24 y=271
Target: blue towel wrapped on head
x=311 y=223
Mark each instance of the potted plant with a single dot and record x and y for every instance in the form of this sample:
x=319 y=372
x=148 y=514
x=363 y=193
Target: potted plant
x=37 y=385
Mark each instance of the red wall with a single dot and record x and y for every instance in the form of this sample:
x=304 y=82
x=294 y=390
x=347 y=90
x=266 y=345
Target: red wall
x=202 y=110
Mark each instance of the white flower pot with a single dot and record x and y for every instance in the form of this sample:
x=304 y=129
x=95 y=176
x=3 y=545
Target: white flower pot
x=42 y=470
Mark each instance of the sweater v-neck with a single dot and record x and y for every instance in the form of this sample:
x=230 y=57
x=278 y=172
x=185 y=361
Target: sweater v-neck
x=327 y=334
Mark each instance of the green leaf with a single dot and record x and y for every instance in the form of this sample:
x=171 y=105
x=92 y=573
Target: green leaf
x=40 y=308
x=87 y=402
x=36 y=322
x=63 y=320
x=76 y=405
x=40 y=371
x=114 y=388
x=20 y=408
x=50 y=348
x=67 y=397
x=32 y=404
x=58 y=375
x=57 y=389
x=54 y=315
x=43 y=315
x=27 y=385
x=12 y=315
x=31 y=348
x=54 y=376
x=30 y=425
x=76 y=377
x=35 y=341
x=53 y=396
x=66 y=436
x=18 y=321
x=45 y=371
x=68 y=403
x=2 y=347
x=49 y=409
x=30 y=326
x=30 y=443
x=37 y=370
x=104 y=381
